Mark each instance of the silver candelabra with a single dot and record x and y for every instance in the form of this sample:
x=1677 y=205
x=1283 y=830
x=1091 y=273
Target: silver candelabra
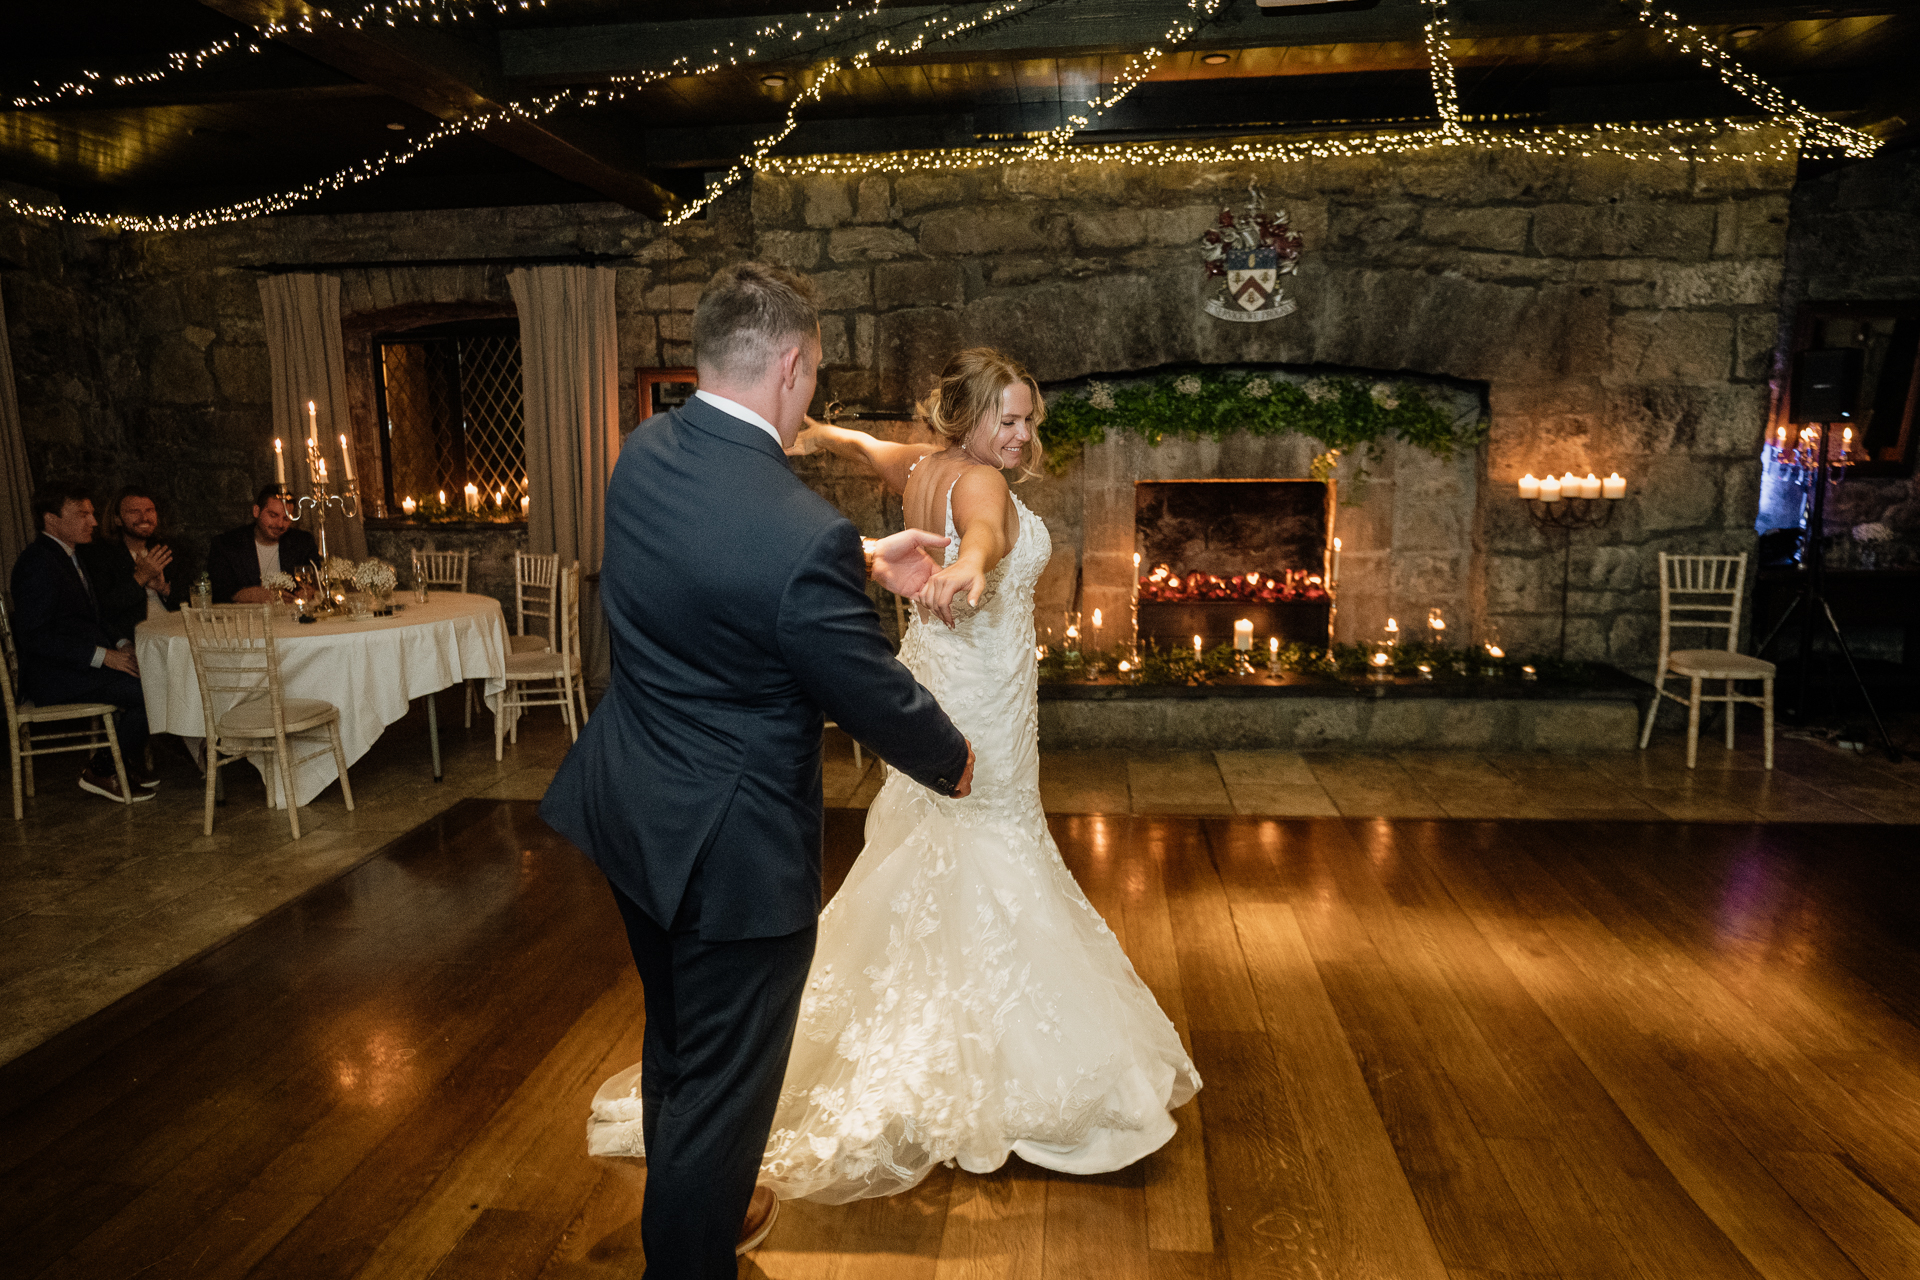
x=314 y=505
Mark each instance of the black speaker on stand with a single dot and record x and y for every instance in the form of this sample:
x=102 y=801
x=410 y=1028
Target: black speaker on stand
x=1826 y=383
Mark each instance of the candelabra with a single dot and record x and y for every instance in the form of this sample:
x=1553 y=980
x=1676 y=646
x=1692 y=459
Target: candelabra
x=321 y=494
x=1567 y=515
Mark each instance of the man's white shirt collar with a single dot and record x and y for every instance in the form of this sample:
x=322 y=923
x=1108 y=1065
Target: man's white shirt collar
x=741 y=412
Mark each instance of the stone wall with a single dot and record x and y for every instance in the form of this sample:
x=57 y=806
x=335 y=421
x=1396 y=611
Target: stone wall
x=1619 y=316
x=1856 y=238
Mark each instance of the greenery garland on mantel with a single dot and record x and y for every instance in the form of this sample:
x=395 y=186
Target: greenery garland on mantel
x=1344 y=414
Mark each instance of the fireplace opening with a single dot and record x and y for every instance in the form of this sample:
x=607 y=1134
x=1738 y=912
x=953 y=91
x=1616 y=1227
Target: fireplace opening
x=1214 y=552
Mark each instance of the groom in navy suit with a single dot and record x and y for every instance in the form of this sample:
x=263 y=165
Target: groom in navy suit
x=736 y=603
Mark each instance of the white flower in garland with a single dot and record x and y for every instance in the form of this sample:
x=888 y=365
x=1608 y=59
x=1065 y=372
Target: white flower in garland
x=1872 y=531
x=1258 y=388
x=1100 y=395
x=1321 y=390
x=1385 y=396
x=1188 y=385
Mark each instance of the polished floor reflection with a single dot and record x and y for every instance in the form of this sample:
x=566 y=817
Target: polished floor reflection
x=1431 y=1049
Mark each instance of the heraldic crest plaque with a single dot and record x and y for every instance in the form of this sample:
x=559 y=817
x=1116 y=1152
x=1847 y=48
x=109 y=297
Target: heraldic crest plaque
x=1250 y=254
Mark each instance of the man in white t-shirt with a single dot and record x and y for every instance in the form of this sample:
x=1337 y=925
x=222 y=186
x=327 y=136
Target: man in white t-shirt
x=240 y=559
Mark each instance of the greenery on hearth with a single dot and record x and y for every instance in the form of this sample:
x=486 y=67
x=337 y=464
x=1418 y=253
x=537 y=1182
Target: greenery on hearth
x=1344 y=414
x=1341 y=663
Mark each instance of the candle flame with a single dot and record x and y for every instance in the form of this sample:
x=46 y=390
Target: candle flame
x=1336 y=544
x=1096 y=617
x=1196 y=644
x=1124 y=665
x=1392 y=625
x=1379 y=659
x=1495 y=651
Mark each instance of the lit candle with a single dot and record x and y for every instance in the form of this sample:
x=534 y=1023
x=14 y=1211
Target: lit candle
x=1495 y=651
x=1243 y=635
x=346 y=459
x=1393 y=631
x=443 y=497
x=473 y=499
x=1529 y=487
x=1549 y=490
x=1273 y=648
x=500 y=499
x=313 y=424
x=1125 y=666
x=1196 y=646
x=525 y=503
x=1379 y=659
x=1590 y=487
x=1335 y=575
x=1846 y=443
x=323 y=472
x=1528 y=673
x=1614 y=487
x=279 y=464
x=1096 y=628
x=407 y=505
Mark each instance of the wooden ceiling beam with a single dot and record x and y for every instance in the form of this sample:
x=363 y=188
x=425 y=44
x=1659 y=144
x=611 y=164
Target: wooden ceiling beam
x=1074 y=28
x=452 y=79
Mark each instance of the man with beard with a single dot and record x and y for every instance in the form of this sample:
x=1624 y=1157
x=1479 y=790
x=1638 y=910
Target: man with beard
x=136 y=573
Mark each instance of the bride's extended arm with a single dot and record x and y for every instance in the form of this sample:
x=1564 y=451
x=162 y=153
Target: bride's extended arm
x=892 y=461
x=982 y=504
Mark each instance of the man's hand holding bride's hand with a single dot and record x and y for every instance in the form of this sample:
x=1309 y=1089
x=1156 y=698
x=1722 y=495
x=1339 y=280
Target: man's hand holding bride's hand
x=963 y=575
x=901 y=563
x=965 y=785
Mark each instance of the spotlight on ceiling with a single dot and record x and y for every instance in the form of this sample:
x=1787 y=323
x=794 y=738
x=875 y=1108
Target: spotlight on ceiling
x=397 y=127
x=1744 y=33
x=1216 y=59
x=774 y=81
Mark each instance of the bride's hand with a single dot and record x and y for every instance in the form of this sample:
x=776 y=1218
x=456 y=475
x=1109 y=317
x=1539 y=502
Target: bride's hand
x=963 y=575
x=808 y=441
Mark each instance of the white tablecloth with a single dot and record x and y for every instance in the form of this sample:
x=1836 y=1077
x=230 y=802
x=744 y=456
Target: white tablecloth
x=370 y=670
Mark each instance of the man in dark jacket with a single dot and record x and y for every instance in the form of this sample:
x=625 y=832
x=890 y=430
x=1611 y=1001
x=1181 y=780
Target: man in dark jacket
x=736 y=604
x=239 y=558
x=67 y=653
x=135 y=571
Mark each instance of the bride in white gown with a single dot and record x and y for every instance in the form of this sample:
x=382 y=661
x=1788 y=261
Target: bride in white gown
x=965 y=999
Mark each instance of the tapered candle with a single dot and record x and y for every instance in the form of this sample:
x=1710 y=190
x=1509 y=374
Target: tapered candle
x=1613 y=487
x=1334 y=577
x=279 y=463
x=1529 y=487
x=1243 y=635
x=500 y=499
x=346 y=459
x=323 y=471
x=1590 y=487
x=1549 y=490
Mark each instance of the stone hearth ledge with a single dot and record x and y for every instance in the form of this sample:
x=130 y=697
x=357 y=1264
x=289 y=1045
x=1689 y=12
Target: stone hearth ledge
x=1501 y=716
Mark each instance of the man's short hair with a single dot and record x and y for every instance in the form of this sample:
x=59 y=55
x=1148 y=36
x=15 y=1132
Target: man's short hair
x=51 y=499
x=749 y=314
x=267 y=494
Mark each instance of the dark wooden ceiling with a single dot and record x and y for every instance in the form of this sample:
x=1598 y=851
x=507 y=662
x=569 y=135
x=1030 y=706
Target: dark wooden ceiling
x=309 y=104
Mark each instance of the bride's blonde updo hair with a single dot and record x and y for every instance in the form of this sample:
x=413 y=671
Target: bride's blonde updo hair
x=970 y=389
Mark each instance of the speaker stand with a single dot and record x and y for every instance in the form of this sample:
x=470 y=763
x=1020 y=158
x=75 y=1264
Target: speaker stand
x=1812 y=604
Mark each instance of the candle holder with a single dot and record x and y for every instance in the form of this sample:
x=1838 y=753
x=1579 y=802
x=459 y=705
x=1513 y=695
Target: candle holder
x=314 y=505
x=1567 y=515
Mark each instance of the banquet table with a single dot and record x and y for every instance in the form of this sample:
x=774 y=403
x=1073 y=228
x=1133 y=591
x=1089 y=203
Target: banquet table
x=369 y=668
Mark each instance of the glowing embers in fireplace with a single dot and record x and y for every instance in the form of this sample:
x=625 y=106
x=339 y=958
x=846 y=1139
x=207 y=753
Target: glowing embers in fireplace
x=1163 y=586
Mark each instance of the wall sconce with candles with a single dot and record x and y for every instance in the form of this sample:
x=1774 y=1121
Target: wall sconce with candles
x=1568 y=502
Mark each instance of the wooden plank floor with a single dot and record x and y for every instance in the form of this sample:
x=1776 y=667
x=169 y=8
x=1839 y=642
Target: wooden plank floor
x=1432 y=1049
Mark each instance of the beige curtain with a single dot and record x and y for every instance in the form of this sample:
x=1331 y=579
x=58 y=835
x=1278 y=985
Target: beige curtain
x=570 y=367
x=305 y=346
x=16 y=482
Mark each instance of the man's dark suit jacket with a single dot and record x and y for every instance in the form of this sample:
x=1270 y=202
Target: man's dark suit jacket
x=56 y=625
x=736 y=601
x=123 y=602
x=232 y=563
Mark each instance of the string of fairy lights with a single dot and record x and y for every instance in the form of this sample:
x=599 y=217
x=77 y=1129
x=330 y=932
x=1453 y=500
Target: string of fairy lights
x=1787 y=129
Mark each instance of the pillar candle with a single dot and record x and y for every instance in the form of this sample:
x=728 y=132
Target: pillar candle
x=1196 y=646
x=473 y=499
x=1590 y=487
x=1613 y=486
x=1529 y=487
x=1549 y=490
x=407 y=505
x=525 y=504
x=1243 y=635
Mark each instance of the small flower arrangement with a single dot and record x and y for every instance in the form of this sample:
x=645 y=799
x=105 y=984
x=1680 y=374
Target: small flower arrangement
x=1872 y=531
x=375 y=577
x=336 y=569
x=1100 y=395
x=280 y=582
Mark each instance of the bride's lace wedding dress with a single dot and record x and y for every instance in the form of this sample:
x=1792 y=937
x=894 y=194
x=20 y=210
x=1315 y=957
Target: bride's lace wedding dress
x=965 y=999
